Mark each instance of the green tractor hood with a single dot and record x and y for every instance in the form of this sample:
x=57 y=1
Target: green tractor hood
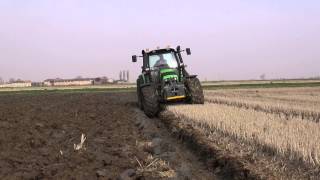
x=167 y=74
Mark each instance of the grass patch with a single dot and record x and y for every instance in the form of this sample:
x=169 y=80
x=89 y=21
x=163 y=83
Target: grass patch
x=90 y=89
x=60 y=90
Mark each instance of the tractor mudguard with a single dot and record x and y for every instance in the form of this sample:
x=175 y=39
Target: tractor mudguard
x=191 y=76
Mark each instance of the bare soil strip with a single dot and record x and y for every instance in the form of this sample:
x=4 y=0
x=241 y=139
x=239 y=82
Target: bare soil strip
x=217 y=160
x=166 y=148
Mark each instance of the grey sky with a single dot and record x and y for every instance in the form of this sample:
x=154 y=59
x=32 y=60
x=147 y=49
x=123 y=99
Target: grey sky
x=229 y=39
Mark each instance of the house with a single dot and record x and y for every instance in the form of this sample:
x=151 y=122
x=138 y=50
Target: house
x=16 y=84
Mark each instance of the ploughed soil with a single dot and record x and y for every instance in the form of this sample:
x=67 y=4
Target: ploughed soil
x=39 y=133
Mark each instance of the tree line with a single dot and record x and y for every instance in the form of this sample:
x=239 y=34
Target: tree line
x=11 y=80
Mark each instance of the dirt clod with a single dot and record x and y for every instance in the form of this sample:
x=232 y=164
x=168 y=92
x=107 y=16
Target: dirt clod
x=102 y=173
x=127 y=174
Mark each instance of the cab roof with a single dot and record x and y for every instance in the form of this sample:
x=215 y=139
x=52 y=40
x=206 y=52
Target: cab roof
x=158 y=50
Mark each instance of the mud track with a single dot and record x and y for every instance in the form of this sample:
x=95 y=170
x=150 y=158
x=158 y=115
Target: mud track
x=231 y=158
x=216 y=159
x=38 y=133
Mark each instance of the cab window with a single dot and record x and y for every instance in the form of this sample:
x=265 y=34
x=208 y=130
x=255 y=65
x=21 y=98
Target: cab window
x=167 y=60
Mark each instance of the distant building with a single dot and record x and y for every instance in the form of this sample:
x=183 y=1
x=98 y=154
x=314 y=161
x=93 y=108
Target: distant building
x=100 y=80
x=123 y=76
x=37 y=84
x=78 y=81
x=16 y=84
x=110 y=80
x=48 y=82
x=69 y=82
x=127 y=76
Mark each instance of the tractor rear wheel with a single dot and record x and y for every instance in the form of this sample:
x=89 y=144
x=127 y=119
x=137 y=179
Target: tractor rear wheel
x=150 y=103
x=195 y=91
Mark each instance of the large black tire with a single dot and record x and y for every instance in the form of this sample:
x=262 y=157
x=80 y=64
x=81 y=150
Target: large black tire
x=139 y=96
x=195 y=91
x=151 y=105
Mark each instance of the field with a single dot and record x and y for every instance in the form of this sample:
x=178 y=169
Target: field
x=73 y=88
x=39 y=132
x=239 y=133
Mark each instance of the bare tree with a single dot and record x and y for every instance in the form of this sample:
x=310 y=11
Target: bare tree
x=263 y=76
x=12 y=80
x=1 y=80
x=79 y=77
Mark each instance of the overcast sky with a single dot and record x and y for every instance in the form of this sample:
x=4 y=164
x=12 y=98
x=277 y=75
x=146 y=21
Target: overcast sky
x=229 y=39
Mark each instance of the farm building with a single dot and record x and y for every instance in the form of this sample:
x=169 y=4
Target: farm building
x=16 y=84
x=100 y=80
x=68 y=82
x=77 y=81
x=37 y=84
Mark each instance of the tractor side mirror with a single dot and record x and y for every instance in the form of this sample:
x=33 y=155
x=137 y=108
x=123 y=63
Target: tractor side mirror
x=188 y=50
x=178 y=49
x=134 y=58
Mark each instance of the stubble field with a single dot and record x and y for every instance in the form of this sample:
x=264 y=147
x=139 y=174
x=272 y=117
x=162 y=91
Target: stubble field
x=276 y=128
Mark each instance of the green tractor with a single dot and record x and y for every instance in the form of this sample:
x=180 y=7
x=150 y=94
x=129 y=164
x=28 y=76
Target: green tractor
x=164 y=80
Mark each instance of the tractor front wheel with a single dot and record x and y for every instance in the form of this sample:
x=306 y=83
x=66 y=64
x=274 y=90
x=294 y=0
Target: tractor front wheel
x=150 y=103
x=139 y=96
x=195 y=91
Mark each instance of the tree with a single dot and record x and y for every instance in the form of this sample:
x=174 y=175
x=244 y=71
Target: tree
x=263 y=76
x=1 y=80
x=12 y=80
